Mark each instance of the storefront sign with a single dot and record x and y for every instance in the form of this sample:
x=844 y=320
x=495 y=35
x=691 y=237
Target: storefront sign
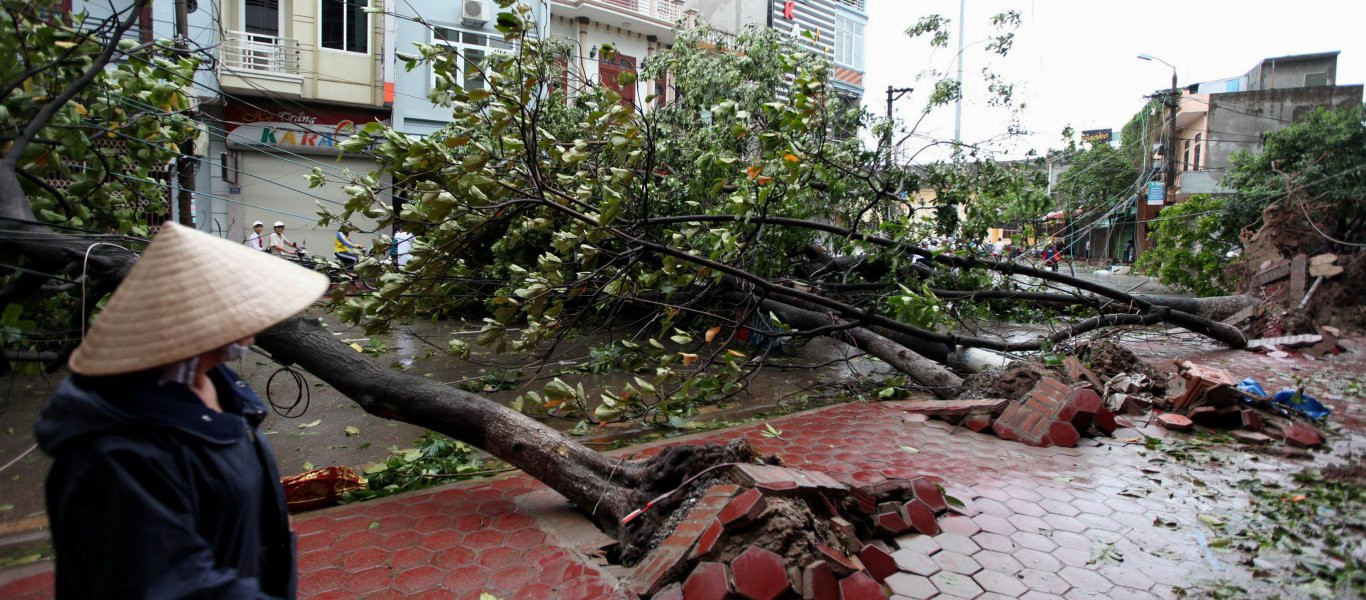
x=1097 y=136
x=297 y=130
x=1157 y=193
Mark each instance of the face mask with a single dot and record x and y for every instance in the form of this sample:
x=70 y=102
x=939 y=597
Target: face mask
x=234 y=351
x=181 y=372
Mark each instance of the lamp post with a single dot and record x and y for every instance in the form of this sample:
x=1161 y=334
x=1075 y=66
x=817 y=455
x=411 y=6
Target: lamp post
x=1173 y=102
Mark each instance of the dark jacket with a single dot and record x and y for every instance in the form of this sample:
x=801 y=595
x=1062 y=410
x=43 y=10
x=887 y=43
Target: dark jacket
x=153 y=495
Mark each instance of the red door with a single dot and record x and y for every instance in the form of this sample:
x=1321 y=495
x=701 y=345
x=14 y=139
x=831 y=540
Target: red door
x=609 y=68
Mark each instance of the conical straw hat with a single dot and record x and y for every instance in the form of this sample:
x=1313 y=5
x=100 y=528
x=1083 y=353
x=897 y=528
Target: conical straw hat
x=189 y=293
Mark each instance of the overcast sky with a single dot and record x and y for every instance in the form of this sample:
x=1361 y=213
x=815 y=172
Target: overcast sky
x=1074 y=61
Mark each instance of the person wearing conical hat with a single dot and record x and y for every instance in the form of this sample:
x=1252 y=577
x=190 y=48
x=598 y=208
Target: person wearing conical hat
x=162 y=485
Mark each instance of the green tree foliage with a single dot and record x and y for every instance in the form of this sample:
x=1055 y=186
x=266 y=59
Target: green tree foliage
x=1098 y=176
x=1318 y=161
x=105 y=146
x=1191 y=241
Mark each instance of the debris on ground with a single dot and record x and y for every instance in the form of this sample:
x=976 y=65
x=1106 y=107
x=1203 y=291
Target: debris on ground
x=773 y=532
x=319 y=488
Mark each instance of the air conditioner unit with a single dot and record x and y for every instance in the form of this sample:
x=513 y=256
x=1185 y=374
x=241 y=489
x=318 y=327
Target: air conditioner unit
x=474 y=12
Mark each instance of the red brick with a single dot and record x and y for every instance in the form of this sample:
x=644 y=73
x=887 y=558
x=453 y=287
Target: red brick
x=819 y=583
x=760 y=574
x=1105 y=422
x=878 y=562
x=926 y=491
x=837 y=560
x=743 y=509
x=708 y=581
x=1175 y=422
x=1029 y=421
x=707 y=541
x=861 y=587
x=921 y=518
x=1251 y=420
x=978 y=423
x=1303 y=436
x=1251 y=437
x=1086 y=403
x=1063 y=433
x=892 y=523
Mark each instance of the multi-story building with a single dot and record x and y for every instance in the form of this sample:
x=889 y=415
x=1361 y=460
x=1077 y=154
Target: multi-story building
x=1216 y=119
x=836 y=28
x=636 y=30
x=296 y=77
x=464 y=26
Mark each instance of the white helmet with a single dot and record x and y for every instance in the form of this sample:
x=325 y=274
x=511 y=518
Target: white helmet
x=279 y=224
x=257 y=224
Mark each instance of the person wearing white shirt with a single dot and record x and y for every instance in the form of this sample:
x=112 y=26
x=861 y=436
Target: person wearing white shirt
x=279 y=244
x=256 y=240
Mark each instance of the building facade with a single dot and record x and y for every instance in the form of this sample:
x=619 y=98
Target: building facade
x=636 y=30
x=296 y=78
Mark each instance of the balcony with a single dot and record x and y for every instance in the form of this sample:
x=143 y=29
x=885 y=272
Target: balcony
x=663 y=10
x=255 y=53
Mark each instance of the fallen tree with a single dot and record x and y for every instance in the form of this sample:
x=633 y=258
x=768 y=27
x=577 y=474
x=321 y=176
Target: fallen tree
x=581 y=206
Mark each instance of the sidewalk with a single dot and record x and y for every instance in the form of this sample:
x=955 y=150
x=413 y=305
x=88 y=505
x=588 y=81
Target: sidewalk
x=1040 y=522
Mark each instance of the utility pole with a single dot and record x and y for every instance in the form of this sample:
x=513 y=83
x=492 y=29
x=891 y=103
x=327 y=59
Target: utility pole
x=893 y=93
x=958 y=107
x=1169 y=190
x=185 y=164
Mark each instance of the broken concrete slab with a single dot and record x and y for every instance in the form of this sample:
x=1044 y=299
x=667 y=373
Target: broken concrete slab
x=1275 y=272
x=1285 y=342
x=1298 y=277
x=957 y=407
x=1175 y=422
x=1079 y=372
x=1303 y=436
x=1251 y=437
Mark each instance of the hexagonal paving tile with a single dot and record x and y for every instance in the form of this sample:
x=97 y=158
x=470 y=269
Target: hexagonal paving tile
x=1044 y=581
x=1025 y=507
x=956 y=585
x=998 y=561
x=957 y=543
x=918 y=563
x=1035 y=541
x=1028 y=523
x=1085 y=580
x=1000 y=583
x=956 y=563
x=995 y=541
x=1059 y=507
x=912 y=586
x=918 y=542
x=994 y=524
x=959 y=524
x=1034 y=559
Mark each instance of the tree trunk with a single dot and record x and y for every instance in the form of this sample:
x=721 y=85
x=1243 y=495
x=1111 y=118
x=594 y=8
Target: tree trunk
x=924 y=371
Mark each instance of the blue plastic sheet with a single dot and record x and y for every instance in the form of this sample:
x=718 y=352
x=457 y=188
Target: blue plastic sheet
x=1251 y=386
x=1301 y=403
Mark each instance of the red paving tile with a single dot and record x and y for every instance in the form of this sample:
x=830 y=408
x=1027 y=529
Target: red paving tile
x=1034 y=519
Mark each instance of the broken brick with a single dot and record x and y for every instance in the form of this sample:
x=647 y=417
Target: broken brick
x=819 y=583
x=861 y=587
x=1251 y=420
x=760 y=574
x=878 y=562
x=708 y=581
x=743 y=510
x=1029 y=419
x=673 y=591
x=978 y=423
x=1251 y=437
x=1298 y=276
x=707 y=541
x=892 y=523
x=1303 y=436
x=957 y=407
x=921 y=518
x=926 y=491
x=1105 y=422
x=1062 y=433
x=838 y=562
x=1079 y=372
x=1175 y=422
x=1086 y=403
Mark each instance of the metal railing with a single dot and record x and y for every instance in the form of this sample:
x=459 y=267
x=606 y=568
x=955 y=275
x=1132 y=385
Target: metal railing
x=664 y=10
x=259 y=52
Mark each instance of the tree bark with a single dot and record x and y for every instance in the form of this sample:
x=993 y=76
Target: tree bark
x=940 y=381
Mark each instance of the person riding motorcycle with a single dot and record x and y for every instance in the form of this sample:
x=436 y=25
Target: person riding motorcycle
x=346 y=251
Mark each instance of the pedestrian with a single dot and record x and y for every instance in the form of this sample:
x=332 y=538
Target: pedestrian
x=1087 y=250
x=256 y=241
x=162 y=484
x=1129 y=251
x=346 y=251
x=279 y=244
x=403 y=247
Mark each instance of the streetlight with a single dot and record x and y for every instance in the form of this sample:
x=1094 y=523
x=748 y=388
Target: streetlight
x=1172 y=103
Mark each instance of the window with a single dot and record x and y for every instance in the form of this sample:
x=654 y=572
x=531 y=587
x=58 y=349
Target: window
x=848 y=42
x=262 y=16
x=1195 y=166
x=345 y=26
x=1186 y=157
x=471 y=48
